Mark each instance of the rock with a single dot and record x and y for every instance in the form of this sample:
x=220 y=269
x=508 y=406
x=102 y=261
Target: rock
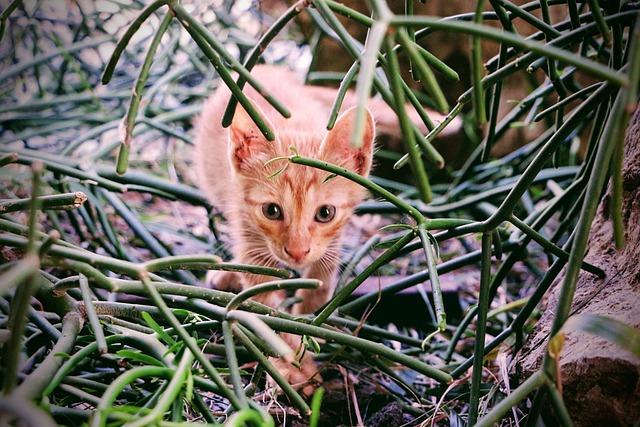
x=601 y=381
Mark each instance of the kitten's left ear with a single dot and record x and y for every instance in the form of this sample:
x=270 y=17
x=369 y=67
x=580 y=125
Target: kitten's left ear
x=337 y=148
x=247 y=142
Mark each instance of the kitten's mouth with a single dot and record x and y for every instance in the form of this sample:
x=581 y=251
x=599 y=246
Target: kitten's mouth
x=296 y=265
x=295 y=262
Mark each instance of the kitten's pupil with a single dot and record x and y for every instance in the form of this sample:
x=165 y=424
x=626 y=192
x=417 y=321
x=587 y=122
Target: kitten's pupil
x=272 y=211
x=325 y=213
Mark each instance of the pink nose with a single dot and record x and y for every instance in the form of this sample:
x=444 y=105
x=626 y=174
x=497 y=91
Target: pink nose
x=297 y=254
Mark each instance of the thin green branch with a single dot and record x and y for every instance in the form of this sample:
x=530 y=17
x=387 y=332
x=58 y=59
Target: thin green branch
x=287 y=389
x=38 y=380
x=232 y=363
x=56 y=201
x=441 y=317
x=423 y=70
x=91 y=314
x=258 y=50
x=181 y=377
x=106 y=408
x=132 y=111
x=481 y=329
x=126 y=37
x=348 y=289
x=189 y=341
x=497 y=413
x=417 y=166
x=26 y=410
x=270 y=287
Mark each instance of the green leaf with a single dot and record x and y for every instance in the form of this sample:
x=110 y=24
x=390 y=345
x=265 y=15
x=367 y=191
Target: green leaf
x=157 y=329
x=139 y=357
x=311 y=343
x=316 y=403
x=396 y=226
x=64 y=355
x=606 y=327
x=278 y=172
x=555 y=345
x=330 y=176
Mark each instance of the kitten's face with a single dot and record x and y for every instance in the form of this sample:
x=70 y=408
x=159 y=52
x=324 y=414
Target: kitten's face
x=300 y=216
x=297 y=216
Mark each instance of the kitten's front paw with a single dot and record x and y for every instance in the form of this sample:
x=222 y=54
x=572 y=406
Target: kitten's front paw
x=306 y=378
x=224 y=281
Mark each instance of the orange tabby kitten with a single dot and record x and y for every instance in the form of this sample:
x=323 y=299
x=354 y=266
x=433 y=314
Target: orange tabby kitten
x=295 y=218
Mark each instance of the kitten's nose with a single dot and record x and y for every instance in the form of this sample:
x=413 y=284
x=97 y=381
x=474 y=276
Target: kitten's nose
x=297 y=254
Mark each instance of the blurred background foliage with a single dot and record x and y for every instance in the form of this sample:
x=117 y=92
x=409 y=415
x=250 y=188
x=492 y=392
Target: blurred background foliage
x=100 y=321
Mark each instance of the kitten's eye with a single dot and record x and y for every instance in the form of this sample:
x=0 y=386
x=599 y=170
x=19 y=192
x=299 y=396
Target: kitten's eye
x=272 y=211
x=325 y=213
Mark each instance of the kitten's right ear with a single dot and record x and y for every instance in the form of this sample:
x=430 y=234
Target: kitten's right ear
x=337 y=148
x=246 y=141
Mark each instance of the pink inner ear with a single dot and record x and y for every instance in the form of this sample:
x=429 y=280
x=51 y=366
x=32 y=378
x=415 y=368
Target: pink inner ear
x=246 y=141
x=337 y=146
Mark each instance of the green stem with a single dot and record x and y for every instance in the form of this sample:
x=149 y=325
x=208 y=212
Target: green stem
x=565 y=101
x=345 y=84
x=417 y=166
x=549 y=50
x=287 y=389
x=362 y=345
x=189 y=341
x=105 y=407
x=513 y=198
x=199 y=34
x=262 y=331
x=604 y=29
x=258 y=50
x=270 y=287
x=369 y=185
x=212 y=47
x=560 y=408
x=90 y=310
x=26 y=410
x=144 y=343
x=423 y=71
x=481 y=329
x=56 y=201
x=126 y=37
x=557 y=251
x=5 y=15
x=497 y=413
x=19 y=274
x=232 y=363
x=355 y=259
x=479 y=109
x=22 y=66
x=436 y=290
x=180 y=378
x=17 y=319
x=37 y=381
x=345 y=292
x=613 y=130
x=529 y=18
x=455 y=111
x=133 y=177
x=136 y=97
x=29 y=157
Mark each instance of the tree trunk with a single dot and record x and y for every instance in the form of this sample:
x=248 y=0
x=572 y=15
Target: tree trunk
x=601 y=381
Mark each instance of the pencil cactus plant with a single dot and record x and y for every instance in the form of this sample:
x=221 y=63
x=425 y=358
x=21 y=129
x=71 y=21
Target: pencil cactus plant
x=102 y=319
